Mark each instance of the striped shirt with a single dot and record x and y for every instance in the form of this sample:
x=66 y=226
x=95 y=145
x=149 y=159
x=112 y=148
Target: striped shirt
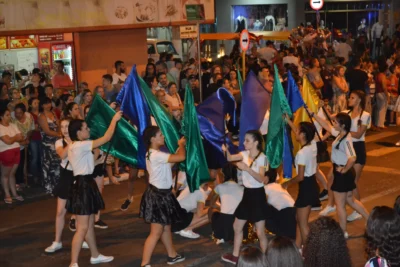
x=345 y=150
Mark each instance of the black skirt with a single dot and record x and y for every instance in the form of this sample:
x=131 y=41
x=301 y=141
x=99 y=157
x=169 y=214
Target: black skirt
x=343 y=182
x=361 y=152
x=159 y=206
x=252 y=207
x=84 y=197
x=308 y=193
x=64 y=184
x=186 y=219
x=98 y=171
x=282 y=222
x=222 y=226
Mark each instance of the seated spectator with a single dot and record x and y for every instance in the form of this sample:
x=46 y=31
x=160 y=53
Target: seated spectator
x=282 y=252
x=193 y=212
x=230 y=195
x=175 y=100
x=326 y=245
x=383 y=237
x=251 y=256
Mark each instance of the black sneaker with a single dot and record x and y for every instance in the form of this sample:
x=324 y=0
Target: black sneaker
x=178 y=258
x=323 y=195
x=72 y=225
x=100 y=224
x=125 y=205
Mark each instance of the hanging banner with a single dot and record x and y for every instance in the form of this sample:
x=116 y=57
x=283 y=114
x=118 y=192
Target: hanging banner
x=23 y=15
x=51 y=37
x=24 y=41
x=3 y=43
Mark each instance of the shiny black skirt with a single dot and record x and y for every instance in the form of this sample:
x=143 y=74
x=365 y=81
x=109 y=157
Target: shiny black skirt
x=64 y=184
x=159 y=206
x=84 y=197
x=253 y=205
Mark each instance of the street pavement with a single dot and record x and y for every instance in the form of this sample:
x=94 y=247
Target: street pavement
x=26 y=229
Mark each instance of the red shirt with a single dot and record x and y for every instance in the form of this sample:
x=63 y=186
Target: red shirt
x=60 y=81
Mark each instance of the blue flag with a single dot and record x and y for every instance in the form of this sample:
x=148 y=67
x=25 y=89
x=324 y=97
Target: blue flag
x=211 y=117
x=254 y=106
x=293 y=95
x=134 y=106
x=287 y=156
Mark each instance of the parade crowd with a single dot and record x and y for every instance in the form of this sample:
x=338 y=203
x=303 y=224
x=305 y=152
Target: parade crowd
x=44 y=142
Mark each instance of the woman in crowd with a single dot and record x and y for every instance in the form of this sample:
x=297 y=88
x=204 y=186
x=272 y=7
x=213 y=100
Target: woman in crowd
x=15 y=96
x=233 y=80
x=252 y=162
x=35 y=144
x=360 y=122
x=326 y=245
x=381 y=95
x=340 y=90
x=176 y=105
x=282 y=252
x=251 y=256
x=306 y=167
x=61 y=191
x=383 y=238
x=229 y=194
x=4 y=99
x=393 y=89
x=25 y=123
x=85 y=199
x=150 y=71
x=72 y=111
x=159 y=206
x=10 y=137
x=49 y=129
x=99 y=90
x=343 y=158
x=85 y=100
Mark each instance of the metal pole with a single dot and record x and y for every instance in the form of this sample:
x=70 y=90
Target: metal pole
x=199 y=59
x=244 y=64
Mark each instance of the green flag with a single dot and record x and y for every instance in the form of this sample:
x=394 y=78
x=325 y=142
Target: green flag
x=239 y=78
x=196 y=164
x=275 y=136
x=124 y=143
x=169 y=127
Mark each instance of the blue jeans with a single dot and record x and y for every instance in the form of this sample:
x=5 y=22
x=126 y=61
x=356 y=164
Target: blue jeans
x=35 y=158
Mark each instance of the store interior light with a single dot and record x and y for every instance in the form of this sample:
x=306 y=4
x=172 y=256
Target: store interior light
x=221 y=52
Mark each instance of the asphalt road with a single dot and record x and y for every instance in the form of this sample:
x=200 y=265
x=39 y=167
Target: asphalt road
x=26 y=229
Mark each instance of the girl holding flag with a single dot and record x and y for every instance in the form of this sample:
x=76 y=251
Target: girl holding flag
x=343 y=158
x=306 y=168
x=252 y=161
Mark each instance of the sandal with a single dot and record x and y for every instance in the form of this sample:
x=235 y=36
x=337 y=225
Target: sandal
x=8 y=200
x=19 y=198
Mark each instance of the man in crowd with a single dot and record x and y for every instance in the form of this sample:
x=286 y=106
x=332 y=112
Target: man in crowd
x=175 y=71
x=61 y=79
x=6 y=78
x=342 y=49
x=162 y=81
x=194 y=85
x=268 y=52
x=356 y=77
x=110 y=91
x=119 y=75
x=161 y=67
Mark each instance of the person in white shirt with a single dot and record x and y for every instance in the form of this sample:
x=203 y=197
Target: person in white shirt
x=84 y=199
x=292 y=59
x=360 y=122
x=282 y=213
x=119 y=76
x=175 y=71
x=159 y=206
x=193 y=210
x=252 y=162
x=343 y=158
x=342 y=49
x=306 y=168
x=230 y=194
x=268 y=52
x=62 y=188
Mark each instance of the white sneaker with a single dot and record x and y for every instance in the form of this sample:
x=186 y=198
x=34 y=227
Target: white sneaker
x=85 y=245
x=189 y=234
x=54 y=247
x=220 y=241
x=328 y=209
x=346 y=235
x=354 y=216
x=101 y=259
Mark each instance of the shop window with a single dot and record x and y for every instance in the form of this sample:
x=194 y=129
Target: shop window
x=166 y=47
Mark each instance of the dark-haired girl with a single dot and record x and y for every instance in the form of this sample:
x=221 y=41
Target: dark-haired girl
x=49 y=129
x=343 y=158
x=252 y=161
x=306 y=167
x=84 y=198
x=230 y=195
x=63 y=186
x=360 y=122
x=383 y=238
x=159 y=206
x=72 y=111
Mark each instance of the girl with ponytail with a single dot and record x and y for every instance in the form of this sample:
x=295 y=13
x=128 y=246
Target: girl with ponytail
x=343 y=158
x=306 y=168
x=360 y=122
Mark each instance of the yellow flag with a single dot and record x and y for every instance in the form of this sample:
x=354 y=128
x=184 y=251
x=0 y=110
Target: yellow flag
x=311 y=99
